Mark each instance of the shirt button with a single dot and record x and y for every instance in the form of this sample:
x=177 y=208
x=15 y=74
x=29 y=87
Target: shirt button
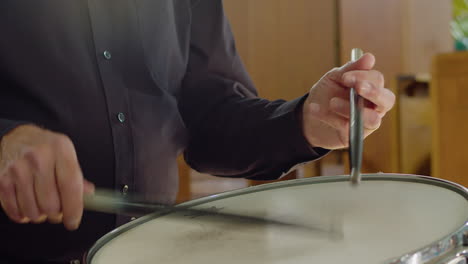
x=107 y=55
x=121 y=117
x=125 y=189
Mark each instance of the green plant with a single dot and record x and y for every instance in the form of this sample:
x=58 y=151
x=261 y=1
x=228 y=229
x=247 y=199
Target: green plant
x=459 y=24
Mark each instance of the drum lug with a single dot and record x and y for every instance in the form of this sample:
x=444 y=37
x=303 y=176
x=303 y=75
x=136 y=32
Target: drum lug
x=465 y=239
x=462 y=256
x=458 y=260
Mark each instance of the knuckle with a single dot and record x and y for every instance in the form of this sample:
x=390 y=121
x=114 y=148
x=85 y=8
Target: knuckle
x=18 y=173
x=379 y=77
x=71 y=187
x=14 y=169
x=375 y=122
x=35 y=157
x=22 y=178
x=346 y=75
x=373 y=92
x=347 y=64
x=377 y=126
x=333 y=72
x=334 y=69
x=392 y=99
x=62 y=142
x=65 y=148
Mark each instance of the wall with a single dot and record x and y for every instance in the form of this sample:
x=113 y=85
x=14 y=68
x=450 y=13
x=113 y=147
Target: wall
x=404 y=35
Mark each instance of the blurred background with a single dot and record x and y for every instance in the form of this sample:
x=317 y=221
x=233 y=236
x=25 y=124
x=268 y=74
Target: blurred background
x=287 y=45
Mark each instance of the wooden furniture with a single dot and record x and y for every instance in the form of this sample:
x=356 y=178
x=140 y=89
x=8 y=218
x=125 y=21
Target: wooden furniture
x=404 y=40
x=449 y=93
x=414 y=124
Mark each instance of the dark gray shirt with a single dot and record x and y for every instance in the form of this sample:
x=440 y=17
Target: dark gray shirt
x=134 y=84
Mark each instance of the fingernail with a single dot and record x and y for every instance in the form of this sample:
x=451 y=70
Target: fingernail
x=56 y=219
x=25 y=220
x=40 y=219
x=75 y=224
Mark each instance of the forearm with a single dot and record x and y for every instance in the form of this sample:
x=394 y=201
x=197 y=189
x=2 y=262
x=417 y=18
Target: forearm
x=235 y=134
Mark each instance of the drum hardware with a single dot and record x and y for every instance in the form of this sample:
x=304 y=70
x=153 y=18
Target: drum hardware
x=459 y=258
x=462 y=256
x=414 y=229
x=465 y=239
x=355 y=128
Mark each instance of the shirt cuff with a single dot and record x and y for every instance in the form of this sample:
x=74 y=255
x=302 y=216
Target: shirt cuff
x=299 y=147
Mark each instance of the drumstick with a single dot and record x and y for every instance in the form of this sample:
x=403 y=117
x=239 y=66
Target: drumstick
x=355 y=128
x=106 y=201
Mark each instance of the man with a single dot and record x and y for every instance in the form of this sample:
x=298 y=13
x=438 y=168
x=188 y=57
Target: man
x=114 y=90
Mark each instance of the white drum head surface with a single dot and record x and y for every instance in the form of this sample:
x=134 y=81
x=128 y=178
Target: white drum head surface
x=373 y=223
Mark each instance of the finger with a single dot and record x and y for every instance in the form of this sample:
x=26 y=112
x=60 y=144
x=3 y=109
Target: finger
x=55 y=219
x=8 y=200
x=352 y=78
x=88 y=187
x=371 y=118
x=327 y=117
x=25 y=190
x=42 y=218
x=342 y=107
x=45 y=187
x=70 y=183
x=383 y=98
x=365 y=63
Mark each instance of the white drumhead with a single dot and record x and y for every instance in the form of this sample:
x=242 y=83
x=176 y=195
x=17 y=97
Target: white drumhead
x=375 y=222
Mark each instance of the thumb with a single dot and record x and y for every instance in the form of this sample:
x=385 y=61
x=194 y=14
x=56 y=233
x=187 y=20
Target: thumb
x=365 y=63
x=88 y=187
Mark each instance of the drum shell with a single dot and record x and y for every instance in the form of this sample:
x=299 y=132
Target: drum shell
x=442 y=251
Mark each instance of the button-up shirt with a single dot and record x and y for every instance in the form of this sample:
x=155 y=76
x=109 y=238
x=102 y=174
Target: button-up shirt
x=134 y=84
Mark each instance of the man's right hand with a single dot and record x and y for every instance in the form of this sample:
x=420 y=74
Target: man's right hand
x=40 y=177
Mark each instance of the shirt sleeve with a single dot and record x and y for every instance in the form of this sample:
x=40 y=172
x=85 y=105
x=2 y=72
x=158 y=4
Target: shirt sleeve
x=233 y=132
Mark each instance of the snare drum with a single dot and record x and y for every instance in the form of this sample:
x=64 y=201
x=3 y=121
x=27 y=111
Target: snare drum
x=388 y=218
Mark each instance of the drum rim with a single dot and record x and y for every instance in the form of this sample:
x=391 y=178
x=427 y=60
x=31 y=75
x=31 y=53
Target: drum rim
x=431 y=252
